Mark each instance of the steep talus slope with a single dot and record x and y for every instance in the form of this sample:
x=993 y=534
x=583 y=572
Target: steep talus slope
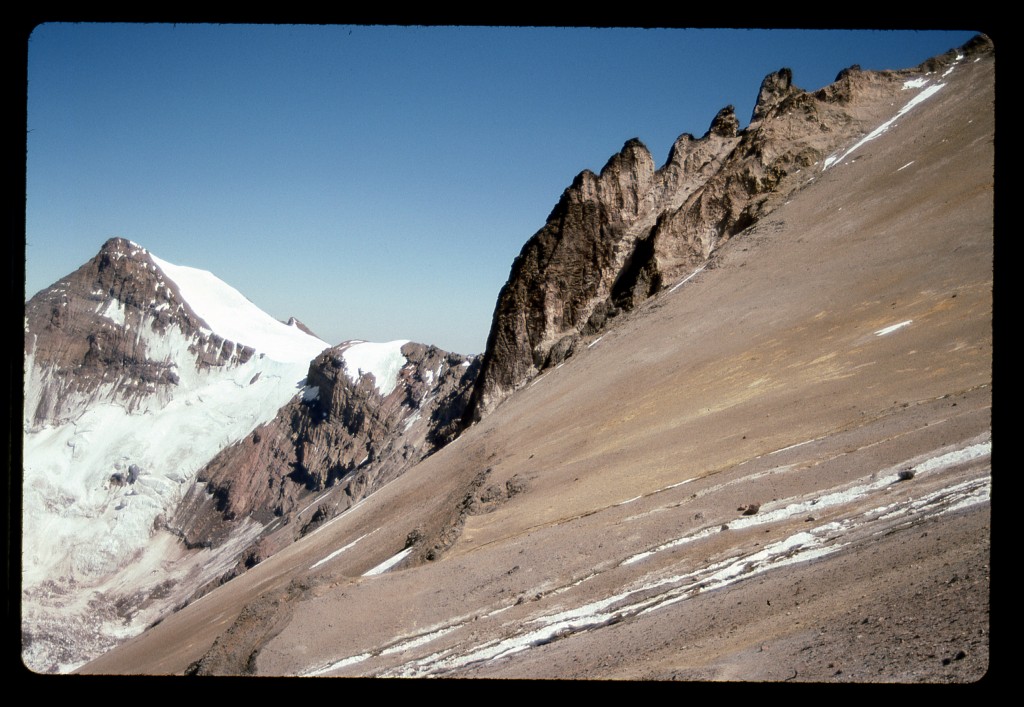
x=617 y=238
x=777 y=470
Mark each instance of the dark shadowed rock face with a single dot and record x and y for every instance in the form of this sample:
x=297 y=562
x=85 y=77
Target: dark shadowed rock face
x=83 y=342
x=618 y=238
x=341 y=435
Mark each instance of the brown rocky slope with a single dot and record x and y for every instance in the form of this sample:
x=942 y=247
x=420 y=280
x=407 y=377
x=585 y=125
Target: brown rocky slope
x=832 y=369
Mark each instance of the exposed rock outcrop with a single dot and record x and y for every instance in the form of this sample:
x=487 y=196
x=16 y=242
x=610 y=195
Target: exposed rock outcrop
x=292 y=321
x=578 y=270
x=618 y=238
x=351 y=436
x=83 y=339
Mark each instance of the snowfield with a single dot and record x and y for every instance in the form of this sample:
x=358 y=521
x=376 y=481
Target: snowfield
x=231 y=315
x=84 y=524
x=382 y=361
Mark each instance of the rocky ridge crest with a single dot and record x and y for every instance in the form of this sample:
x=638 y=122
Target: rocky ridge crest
x=616 y=239
x=341 y=436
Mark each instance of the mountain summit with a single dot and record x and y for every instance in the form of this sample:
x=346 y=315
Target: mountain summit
x=136 y=372
x=733 y=423
x=171 y=426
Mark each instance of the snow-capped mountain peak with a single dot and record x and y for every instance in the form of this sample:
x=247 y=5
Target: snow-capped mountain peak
x=137 y=372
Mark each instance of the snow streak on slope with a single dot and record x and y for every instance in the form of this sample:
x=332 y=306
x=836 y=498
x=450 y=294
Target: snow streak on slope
x=859 y=519
x=919 y=98
x=388 y=563
x=894 y=327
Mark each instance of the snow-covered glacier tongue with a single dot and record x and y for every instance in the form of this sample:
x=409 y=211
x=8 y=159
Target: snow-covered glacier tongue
x=137 y=372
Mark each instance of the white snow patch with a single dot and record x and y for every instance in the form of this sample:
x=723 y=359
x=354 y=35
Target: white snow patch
x=411 y=421
x=112 y=310
x=383 y=361
x=957 y=456
x=915 y=83
x=892 y=328
x=594 y=342
x=388 y=564
x=339 y=664
x=905 y=166
x=419 y=640
x=794 y=446
x=686 y=539
x=313 y=502
x=310 y=393
x=678 y=483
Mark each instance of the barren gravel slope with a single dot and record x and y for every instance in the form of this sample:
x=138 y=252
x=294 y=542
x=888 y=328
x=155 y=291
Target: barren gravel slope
x=773 y=378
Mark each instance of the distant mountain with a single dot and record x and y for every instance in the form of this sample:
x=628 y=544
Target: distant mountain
x=122 y=329
x=138 y=373
x=733 y=422
x=368 y=413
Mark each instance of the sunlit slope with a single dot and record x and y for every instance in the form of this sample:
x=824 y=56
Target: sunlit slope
x=841 y=341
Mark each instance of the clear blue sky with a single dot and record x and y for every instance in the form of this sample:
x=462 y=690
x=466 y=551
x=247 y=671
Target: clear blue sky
x=375 y=182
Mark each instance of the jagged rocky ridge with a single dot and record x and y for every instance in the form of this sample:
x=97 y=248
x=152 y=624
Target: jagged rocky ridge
x=613 y=241
x=617 y=238
x=349 y=436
